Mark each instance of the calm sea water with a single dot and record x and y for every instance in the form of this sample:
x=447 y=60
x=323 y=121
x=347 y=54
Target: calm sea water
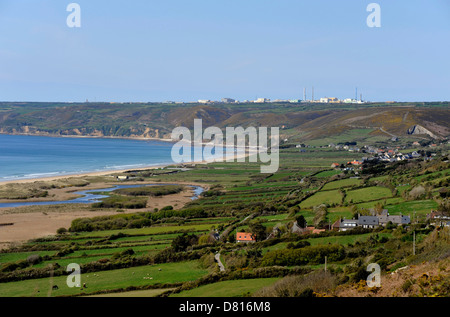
x=23 y=157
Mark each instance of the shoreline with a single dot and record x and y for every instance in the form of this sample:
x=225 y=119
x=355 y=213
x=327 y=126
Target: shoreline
x=78 y=175
x=250 y=150
x=109 y=172
x=90 y=137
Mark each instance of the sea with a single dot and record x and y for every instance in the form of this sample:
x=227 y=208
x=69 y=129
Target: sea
x=27 y=157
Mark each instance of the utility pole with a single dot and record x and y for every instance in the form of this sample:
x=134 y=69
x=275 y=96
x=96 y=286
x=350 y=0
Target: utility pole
x=325 y=263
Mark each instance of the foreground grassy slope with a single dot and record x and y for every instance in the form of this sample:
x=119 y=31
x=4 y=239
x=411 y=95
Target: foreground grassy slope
x=106 y=281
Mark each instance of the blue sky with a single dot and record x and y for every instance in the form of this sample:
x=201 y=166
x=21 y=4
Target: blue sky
x=144 y=50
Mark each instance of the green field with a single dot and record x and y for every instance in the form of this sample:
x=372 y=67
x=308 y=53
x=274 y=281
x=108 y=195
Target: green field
x=367 y=194
x=107 y=280
x=348 y=182
x=322 y=197
x=237 y=288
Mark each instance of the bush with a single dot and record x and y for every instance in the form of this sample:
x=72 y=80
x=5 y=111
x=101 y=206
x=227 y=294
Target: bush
x=182 y=242
x=300 y=286
x=150 y=190
x=306 y=255
x=34 y=259
x=61 y=231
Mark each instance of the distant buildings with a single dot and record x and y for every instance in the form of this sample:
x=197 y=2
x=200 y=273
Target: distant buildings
x=329 y=100
x=228 y=100
x=267 y=100
x=371 y=222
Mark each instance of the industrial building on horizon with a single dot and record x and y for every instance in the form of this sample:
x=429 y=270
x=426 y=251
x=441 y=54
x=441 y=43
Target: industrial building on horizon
x=304 y=100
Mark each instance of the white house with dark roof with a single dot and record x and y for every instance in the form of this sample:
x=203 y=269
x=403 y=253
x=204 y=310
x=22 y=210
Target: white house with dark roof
x=348 y=224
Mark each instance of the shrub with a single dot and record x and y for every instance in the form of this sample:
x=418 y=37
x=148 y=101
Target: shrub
x=61 y=231
x=306 y=255
x=300 y=286
x=34 y=259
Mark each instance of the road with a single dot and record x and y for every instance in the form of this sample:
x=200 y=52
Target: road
x=221 y=266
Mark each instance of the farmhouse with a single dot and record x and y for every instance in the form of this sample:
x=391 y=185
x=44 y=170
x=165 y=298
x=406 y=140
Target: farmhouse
x=245 y=237
x=347 y=224
x=308 y=230
x=398 y=220
x=439 y=218
x=336 y=225
x=371 y=222
x=368 y=222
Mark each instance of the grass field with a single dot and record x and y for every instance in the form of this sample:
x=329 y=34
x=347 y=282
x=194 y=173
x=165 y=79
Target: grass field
x=322 y=197
x=343 y=240
x=107 y=280
x=236 y=288
x=136 y=294
x=348 y=182
x=421 y=207
x=367 y=194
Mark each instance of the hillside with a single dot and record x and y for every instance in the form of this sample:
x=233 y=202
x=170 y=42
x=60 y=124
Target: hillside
x=155 y=120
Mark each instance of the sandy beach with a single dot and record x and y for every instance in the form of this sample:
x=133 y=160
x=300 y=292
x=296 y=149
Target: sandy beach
x=20 y=224
x=99 y=173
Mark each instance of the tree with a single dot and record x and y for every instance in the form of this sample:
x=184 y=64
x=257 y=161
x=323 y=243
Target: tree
x=258 y=230
x=301 y=221
x=61 y=231
x=182 y=242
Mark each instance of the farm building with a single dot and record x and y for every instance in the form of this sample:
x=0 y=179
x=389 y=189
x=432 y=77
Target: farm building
x=368 y=222
x=348 y=224
x=245 y=237
x=397 y=220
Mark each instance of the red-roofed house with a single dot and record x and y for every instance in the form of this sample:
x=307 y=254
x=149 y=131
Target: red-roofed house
x=245 y=237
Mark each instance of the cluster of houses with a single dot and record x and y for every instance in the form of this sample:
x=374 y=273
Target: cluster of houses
x=388 y=154
x=393 y=156
x=367 y=222
x=370 y=222
x=439 y=218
